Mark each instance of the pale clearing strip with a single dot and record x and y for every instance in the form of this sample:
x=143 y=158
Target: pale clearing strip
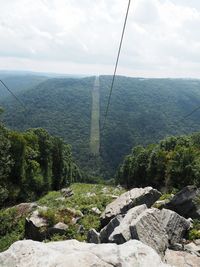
x=94 y=134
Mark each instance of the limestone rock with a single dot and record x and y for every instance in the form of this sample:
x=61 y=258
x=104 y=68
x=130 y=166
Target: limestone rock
x=186 y=202
x=128 y=200
x=193 y=248
x=35 y=226
x=109 y=228
x=96 y=211
x=148 y=228
x=122 y=232
x=93 y=236
x=72 y=253
x=181 y=259
x=59 y=228
x=66 y=192
x=175 y=225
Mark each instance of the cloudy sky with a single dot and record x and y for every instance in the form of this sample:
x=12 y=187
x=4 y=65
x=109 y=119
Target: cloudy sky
x=82 y=36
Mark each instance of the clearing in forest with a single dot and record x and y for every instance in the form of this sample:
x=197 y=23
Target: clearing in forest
x=94 y=134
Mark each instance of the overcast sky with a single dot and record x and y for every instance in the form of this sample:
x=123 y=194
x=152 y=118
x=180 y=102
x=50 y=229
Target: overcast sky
x=82 y=37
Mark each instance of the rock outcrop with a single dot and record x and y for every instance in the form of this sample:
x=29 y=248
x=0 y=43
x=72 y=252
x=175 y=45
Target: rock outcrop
x=181 y=259
x=186 y=202
x=76 y=254
x=128 y=200
x=149 y=229
x=121 y=233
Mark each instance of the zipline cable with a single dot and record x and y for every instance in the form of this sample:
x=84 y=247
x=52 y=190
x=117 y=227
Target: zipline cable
x=116 y=65
x=16 y=98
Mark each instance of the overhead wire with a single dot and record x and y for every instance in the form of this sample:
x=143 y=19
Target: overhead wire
x=116 y=65
x=10 y=91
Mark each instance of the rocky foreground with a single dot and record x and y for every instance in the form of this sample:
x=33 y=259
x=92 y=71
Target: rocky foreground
x=134 y=232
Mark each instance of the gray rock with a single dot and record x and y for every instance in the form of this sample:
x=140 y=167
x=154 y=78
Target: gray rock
x=36 y=226
x=186 y=202
x=122 y=232
x=109 y=228
x=175 y=225
x=193 y=248
x=93 y=237
x=128 y=200
x=96 y=211
x=66 y=192
x=181 y=259
x=148 y=228
x=72 y=253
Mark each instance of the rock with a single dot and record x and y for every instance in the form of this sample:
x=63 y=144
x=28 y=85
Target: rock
x=66 y=192
x=36 y=226
x=175 y=225
x=181 y=259
x=186 y=202
x=89 y=194
x=60 y=199
x=25 y=208
x=93 y=236
x=193 y=248
x=149 y=229
x=96 y=211
x=128 y=200
x=109 y=228
x=59 y=228
x=72 y=253
x=122 y=232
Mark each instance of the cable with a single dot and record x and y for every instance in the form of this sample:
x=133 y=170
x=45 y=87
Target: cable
x=116 y=65
x=18 y=100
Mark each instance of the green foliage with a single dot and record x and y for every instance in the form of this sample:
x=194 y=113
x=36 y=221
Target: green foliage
x=99 y=196
x=142 y=111
x=32 y=163
x=194 y=233
x=11 y=227
x=173 y=163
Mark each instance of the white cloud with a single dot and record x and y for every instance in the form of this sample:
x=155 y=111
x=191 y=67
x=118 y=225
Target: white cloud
x=82 y=36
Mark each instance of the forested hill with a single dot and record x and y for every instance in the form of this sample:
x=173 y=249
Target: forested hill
x=142 y=111
x=18 y=83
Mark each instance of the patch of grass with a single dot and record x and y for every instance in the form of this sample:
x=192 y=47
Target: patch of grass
x=11 y=227
x=86 y=196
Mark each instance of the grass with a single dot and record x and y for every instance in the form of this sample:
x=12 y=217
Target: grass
x=11 y=227
x=86 y=196
x=95 y=135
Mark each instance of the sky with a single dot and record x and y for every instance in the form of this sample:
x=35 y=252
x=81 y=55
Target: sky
x=162 y=37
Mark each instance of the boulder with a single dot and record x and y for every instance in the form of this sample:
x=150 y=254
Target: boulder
x=175 y=225
x=66 y=192
x=122 y=232
x=96 y=211
x=109 y=228
x=59 y=228
x=186 y=202
x=93 y=236
x=36 y=226
x=72 y=253
x=181 y=259
x=149 y=229
x=128 y=200
x=193 y=248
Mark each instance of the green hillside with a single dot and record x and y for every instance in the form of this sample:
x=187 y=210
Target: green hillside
x=19 y=83
x=142 y=111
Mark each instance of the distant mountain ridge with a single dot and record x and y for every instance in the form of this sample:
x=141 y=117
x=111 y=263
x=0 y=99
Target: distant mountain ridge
x=142 y=111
